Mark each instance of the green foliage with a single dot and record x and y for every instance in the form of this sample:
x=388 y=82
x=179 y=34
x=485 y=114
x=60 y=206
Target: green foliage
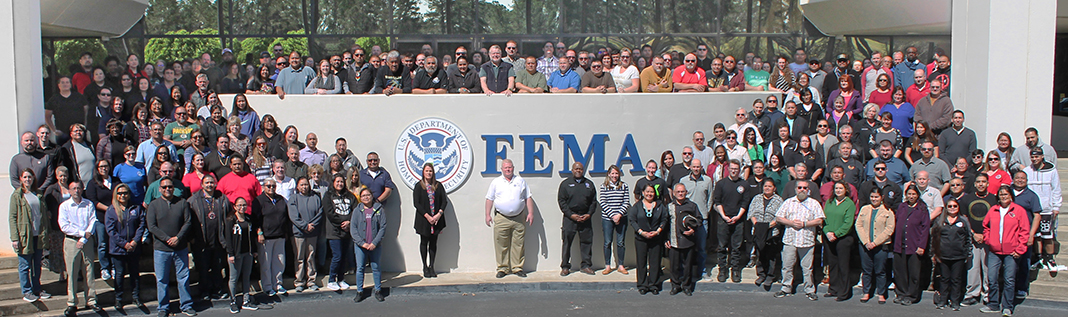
x=68 y=52
x=255 y=45
x=172 y=49
x=367 y=42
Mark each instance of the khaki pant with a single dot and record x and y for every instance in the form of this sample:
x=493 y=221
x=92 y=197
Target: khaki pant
x=305 y=249
x=77 y=261
x=508 y=236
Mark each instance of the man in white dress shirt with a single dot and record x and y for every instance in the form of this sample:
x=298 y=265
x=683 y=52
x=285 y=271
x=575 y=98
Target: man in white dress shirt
x=505 y=201
x=76 y=219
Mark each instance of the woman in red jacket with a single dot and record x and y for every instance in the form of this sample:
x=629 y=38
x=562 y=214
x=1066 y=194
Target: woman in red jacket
x=1005 y=230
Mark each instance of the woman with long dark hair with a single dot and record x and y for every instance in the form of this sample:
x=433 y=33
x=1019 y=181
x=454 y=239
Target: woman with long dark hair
x=776 y=171
x=249 y=120
x=238 y=237
x=367 y=227
x=922 y=134
x=903 y=111
x=838 y=232
x=667 y=160
x=875 y=225
x=911 y=231
x=649 y=218
x=1005 y=231
x=338 y=204
x=137 y=130
x=430 y=202
x=141 y=93
x=261 y=83
x=125 y=226
x=951 y=248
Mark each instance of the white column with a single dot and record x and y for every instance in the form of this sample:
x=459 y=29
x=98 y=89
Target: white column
x=1002 y=62
x=21 y=90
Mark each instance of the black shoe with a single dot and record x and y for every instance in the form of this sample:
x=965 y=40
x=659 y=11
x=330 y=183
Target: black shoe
x=501 y=274
x=359 y=297
x=841 y=299
x=118 y=309
x=137 y=302
x=521 y=273
x=687 y=292
x=674 y=291
x=722 y=275
x=656 y=292
x=898 y=299
x=189 y=312
x=234 y=307
x=379 y=296
x=812 y=296
x=829 y=295
x=760 y=280
x=781 y=294
x=969 y=302
x=643 y=291
x=736 y=276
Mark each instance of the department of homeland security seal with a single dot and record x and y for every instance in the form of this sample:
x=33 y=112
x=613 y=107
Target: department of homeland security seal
x=438 y=141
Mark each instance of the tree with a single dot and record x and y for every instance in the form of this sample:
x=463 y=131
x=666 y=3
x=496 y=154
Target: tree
x=259 y=44
x=169 y=15
x=68 y=52
x=172 y=49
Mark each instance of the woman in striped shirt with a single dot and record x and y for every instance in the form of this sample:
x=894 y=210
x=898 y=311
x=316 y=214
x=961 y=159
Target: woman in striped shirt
x=614 y=201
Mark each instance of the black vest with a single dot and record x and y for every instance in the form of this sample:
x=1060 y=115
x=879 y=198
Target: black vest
x=497 y=82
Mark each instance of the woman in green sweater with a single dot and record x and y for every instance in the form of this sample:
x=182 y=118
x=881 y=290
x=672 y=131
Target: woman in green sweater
x=28 y=221
x=777 y=172
x=838 y=229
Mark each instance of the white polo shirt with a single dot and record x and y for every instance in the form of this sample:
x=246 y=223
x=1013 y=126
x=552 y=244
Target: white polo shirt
x=509 y=197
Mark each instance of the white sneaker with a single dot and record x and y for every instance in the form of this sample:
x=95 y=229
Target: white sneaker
x=343 y=285
x=332 y=286
x=891 y=287
x=45 y=295
x=105 y=274
x=281 y=290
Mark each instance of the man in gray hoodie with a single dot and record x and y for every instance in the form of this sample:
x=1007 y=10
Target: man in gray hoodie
x=306 y=214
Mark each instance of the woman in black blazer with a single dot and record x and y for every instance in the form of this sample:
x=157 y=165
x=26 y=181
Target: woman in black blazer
x=649 y=218
x=430 y=202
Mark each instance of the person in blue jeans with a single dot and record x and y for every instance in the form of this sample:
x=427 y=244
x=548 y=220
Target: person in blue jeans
x=338 y=204
x=125 y=223
x=368 y=226
x=29 y=235
x=169 y=222
x=614 y=200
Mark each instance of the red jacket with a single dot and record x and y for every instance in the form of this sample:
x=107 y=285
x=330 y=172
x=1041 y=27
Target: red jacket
x=1015 y=233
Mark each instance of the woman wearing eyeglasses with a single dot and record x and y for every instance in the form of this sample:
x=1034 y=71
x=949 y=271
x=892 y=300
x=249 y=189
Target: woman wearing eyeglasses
x=270 y=213
x=625 y=74
x=132 y=174
x=367 y=228
x=996 y=175
x=125 y=225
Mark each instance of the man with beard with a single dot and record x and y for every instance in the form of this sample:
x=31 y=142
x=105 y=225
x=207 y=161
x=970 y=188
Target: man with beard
x=801 y=216
x=497 y=76
x=941 y=72
x=209 y=208
x=656 y=77
x=429 y=79
x=295 y=78
x=908 y=66
x=40 y=162
x=689 y=77
x=717 y=78
x=392 y=78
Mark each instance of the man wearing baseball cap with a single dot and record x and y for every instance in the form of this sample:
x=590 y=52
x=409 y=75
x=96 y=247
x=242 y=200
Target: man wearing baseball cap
x=816 y=75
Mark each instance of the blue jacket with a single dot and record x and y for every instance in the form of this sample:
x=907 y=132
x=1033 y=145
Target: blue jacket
x=358 y=225
x=132 y=227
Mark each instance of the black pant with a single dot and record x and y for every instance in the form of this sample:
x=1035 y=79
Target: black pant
x=682 y=268
x=730 y=243
x=649 y=253
x=927 y=271
x=428 y=246
x=953 y=279
x=211 y=275
x=907 y=276
x=585 y=234
x=838 y=254
x=127 y=264
x=768 y=260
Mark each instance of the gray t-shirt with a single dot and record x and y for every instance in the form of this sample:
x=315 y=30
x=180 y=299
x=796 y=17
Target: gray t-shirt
x=35 y=213
x=86 y=161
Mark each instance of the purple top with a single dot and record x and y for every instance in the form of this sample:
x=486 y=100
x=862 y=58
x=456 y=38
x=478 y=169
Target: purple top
x=912 y=228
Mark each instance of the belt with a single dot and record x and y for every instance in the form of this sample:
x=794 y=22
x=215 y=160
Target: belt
x=499 y=212
x=73 y=237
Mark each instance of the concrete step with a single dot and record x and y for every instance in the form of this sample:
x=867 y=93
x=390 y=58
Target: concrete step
x=58 y=302
x=9 y=262
x=11 y=276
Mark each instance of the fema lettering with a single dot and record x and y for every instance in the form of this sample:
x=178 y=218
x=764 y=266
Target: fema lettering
x=534 y=146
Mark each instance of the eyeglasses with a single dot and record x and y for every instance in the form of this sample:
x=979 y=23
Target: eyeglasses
x=166 y=187
x=952 y=206
x=880 y=168
x=595 y=66
x=624 y=56
x=697 y=139
x=993 y=159
x=732 y=138
x=728 y=62
x=739 y=114
x=105 y=94
x=689 y=60
x=687 y=153
x=956 y=185
x=821 y=125
x=883 y=80
x=927 y=149
x=372 y=160
x=802 y=187
x=123 y=193
x=268 y=186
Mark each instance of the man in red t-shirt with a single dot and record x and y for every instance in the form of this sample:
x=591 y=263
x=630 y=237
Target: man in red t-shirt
x=83 y=78
x=689 y=77
x=239 y=183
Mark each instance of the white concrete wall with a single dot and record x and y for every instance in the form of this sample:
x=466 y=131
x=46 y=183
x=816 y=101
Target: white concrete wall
x=374 y=123
x=21 y=90
x=1002 y=66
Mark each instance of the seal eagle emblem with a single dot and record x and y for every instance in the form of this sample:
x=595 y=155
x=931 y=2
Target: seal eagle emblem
x=436 y=141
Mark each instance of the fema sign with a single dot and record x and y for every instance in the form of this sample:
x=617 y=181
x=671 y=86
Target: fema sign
x=437 y=141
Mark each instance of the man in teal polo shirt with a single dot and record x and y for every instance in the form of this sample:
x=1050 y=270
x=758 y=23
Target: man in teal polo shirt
x=292 y=80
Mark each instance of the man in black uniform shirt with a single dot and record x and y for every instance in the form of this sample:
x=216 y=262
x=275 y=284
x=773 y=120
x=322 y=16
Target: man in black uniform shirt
x=578 y=200
x=681 y=241
x=975 y=206
x=680 y=170
x=892 y=193
x=729 y=197
x=430 y=79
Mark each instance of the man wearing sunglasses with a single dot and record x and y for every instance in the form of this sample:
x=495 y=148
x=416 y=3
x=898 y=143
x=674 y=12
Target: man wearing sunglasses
x=377 y=179
x=170 y=222
x=294 y=79
x=511 y=49
x=360 y=75
x=937 y=170
x=689 y=77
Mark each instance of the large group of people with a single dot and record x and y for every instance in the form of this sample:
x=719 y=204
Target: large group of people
x=868 y=159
